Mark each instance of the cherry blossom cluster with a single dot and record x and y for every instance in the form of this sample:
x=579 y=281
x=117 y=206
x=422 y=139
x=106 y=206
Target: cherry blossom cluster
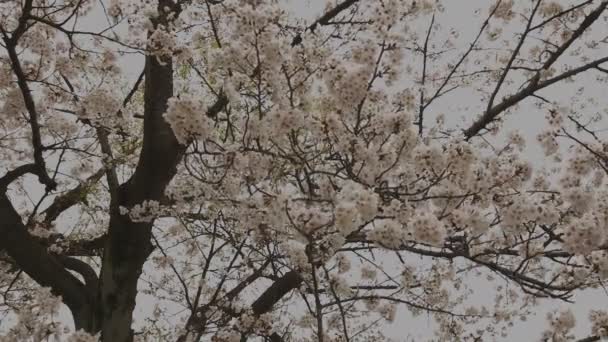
x=146 y=211
x=187 y=118
x=560 y=326
x=599 y=322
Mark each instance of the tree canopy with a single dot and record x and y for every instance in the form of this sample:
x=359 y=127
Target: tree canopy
x=235 y=170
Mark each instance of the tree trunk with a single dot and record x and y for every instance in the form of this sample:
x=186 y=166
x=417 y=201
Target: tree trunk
x=128 y=244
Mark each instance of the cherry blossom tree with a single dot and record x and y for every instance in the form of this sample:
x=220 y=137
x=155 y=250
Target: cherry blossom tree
x=252 y=175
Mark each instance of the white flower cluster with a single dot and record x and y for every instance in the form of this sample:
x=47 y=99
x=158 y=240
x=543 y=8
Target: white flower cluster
x=516 y=139
x=367 y=272
x=12 y=103
x=146 y=211
x=387 y=233
x=366 y=53
x=227 y=336
x=471 y=219
x=356 y=204
x=100 y=103
x=35 y=319
x=39 y=229
x=504 y=10
x=388 y=14
x=581 y=164
x=548 y=142
x=580 y=200
x=61 y=125
x=249 y=322
x=115 y=9
x=519 y=212
x=82 y=336
x=388 y=311
x=297 y=254
x=584 y=235
x=187 y=118
x=599 y=322
x=348 y=87
x=461 y=156
x=162 y=42
x=282 y=120
x=428 y=158
x=600 y=261
x=555 y=118
x=560 y=326
x=6 y=75
x=426 y=228
x=343 y=263
x=162 y=261
x=550 y=8
x=308 y=217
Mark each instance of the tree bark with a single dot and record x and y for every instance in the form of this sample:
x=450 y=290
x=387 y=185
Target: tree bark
x=128 y=244
x=45 y=268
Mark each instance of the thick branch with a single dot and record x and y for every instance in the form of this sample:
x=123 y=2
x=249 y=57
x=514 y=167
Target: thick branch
x=85 y=270
x=68 y=199
x=128 y=244
x=325 y=18
x=534 y=83
x=585 y=24
x=289 y=281
x=514 y=54
x=11 y=45
x=74 y=247
x=46 y=270
x=282 y=286
x=18 y=172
